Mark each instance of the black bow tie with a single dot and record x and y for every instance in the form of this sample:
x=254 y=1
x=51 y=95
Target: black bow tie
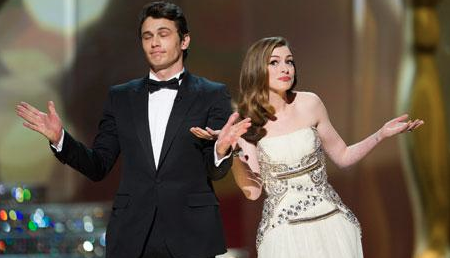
x=172 y=84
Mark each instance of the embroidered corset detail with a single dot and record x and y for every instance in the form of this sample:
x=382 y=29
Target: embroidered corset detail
x=298 y=192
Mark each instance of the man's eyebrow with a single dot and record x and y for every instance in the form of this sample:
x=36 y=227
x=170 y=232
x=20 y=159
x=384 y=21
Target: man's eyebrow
x=159 y=29
x=163 y=28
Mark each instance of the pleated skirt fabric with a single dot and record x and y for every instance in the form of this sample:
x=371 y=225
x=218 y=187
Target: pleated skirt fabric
x=333 y=237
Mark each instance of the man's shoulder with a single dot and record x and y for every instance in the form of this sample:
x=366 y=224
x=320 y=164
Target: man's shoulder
x=207 y=84
x=133 y=84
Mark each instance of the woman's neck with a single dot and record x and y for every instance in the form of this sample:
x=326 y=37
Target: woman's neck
x=279 y=101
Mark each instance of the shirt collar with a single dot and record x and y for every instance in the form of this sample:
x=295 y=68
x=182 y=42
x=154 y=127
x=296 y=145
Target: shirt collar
x=177 y=75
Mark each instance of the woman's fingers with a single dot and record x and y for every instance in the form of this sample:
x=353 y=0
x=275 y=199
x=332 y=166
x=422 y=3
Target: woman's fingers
x=256 y=177
x=415 y=124
x=421 y=122
x=412 y=124
x=401 y=118
x=404 y=126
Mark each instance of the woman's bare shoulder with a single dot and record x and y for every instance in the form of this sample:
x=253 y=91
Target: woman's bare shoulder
x=308 y=99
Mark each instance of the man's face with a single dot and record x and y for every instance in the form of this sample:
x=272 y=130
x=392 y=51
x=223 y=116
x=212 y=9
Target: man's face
x=162 y=45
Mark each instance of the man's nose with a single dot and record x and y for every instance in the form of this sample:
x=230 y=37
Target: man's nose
x=155 y=42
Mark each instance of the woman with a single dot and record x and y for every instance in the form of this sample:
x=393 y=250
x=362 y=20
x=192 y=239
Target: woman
x=284 y=152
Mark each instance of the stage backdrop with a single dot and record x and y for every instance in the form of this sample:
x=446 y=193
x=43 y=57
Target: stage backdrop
x=348 y=52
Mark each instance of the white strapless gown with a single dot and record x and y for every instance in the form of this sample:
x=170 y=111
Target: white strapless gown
x=303 y=217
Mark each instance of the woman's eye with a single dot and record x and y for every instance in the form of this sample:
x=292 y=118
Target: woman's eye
x=291 y=62
x=273 y=62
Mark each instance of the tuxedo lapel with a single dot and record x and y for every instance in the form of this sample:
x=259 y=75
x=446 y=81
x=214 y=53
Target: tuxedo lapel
x=185 y=98
x=139 y=103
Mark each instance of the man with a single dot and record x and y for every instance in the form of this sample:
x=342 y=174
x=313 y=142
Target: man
x=165 y=205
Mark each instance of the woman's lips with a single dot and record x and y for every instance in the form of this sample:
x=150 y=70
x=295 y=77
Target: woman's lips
x=284 y=78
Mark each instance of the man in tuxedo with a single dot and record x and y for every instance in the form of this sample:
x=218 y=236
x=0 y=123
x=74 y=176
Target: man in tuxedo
x=165 y=205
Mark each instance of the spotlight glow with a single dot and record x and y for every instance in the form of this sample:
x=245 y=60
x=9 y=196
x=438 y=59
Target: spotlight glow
x=65 y=16
x=88 y=246
x=12 y=215
x=3 y=215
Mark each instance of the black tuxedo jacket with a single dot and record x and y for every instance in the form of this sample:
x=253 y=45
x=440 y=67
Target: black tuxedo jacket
x=180 y=188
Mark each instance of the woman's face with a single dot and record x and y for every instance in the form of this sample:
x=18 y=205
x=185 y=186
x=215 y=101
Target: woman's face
x=281 y=69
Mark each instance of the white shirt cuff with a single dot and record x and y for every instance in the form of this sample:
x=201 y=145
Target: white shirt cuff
x=217 y=161
x=58 y=147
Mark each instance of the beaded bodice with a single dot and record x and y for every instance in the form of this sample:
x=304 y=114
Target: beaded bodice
x=293 y=172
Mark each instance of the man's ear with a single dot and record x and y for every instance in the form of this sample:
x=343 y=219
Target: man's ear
x=185 y=42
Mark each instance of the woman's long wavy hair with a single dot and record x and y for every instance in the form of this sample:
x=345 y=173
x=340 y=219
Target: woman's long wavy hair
x=254 y=86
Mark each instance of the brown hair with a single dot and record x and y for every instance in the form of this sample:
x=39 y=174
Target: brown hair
x=254 y=86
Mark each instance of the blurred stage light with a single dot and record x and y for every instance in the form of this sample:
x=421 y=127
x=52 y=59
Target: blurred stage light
x=88 y=225
x=2 y=246
x=3 y=215
x=52 y=230
x=6 y=227
x=12 y=215
x=98 y=212
x=59 y=227
x=65 y=16
x=103 y=239
x=19 y=215
x=32 y=226
x=18 y=194
x=26 y=195
x=2 y=189
x=88 y=247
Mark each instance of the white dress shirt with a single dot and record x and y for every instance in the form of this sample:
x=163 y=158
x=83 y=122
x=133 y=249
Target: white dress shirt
x=160 y=105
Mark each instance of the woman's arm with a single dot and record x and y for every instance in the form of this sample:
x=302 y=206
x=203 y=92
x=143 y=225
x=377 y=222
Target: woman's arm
x=245 y=166
x=345 y=156
x=246 y=172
